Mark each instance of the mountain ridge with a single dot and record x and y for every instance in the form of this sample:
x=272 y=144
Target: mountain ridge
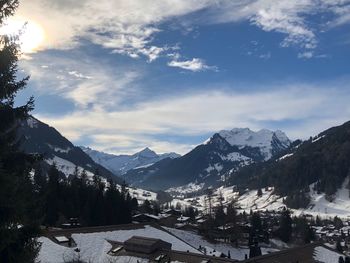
x=120 y=164
x=40 y=138
x=209 y=162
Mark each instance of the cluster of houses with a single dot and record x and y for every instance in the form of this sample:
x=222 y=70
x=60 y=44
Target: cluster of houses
x=331 y=234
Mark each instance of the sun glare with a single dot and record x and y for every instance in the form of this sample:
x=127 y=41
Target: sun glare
x=31 y=34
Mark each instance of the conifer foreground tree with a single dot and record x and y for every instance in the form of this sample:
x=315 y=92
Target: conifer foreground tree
x=18 y=225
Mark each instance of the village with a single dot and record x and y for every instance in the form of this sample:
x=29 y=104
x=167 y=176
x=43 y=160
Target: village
x=220 y=233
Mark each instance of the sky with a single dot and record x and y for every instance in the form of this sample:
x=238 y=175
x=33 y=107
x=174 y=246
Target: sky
x=123 y=75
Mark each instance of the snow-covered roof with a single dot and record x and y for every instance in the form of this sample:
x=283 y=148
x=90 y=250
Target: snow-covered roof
x=94 y=246
x=61 y=239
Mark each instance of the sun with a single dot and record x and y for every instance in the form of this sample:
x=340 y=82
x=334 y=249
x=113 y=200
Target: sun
x=31 y=34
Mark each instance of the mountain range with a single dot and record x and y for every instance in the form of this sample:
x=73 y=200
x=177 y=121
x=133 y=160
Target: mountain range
x=237 y=157
x=121 y=164
x=210 y=163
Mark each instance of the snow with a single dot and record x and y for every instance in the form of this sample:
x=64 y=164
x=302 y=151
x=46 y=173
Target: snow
x=149 y=215
x=196 y=240
x=317 y=138
x=217 y=167
x=94 y=246
x=58 y=149
x=120 y=164
x=32 y=123
x=185 y=189
x=268 y=200
x=141 y=195
x=235 y=156
x=285 y=156
x=67 y=167
x=320 y=206
x=324 y=255
x=242 y=137
x=246 y=202
x=61 y=239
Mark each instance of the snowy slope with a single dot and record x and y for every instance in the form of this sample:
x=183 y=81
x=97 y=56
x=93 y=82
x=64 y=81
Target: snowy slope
x=320 y=206
x=263 y=139
x=270 y=201
x=120 y=164
x=324 y=255
x=38 y=137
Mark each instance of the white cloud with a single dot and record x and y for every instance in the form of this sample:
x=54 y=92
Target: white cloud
x=194 y=65
x=130 y=26
x=265 y=55
x=207 y=112
x=125 y=26
x=307 y=54
x=84 y=81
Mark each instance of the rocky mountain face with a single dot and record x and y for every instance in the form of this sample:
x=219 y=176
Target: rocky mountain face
x=38 y=137
x=212 y=162
x=121 y=164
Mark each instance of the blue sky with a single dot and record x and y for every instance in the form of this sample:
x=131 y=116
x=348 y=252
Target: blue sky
x=167 y=74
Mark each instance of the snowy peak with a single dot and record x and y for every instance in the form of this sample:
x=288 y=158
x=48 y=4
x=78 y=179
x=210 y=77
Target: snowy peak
x=146 y=153
x=120 y=164
x=268 y=141
x=214 y=161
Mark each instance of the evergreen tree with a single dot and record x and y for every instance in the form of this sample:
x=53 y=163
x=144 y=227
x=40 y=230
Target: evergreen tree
x=52 y=197
x=18 y=217
x=341 y=259
x=259 y=192
x=255 y=221
x=146 y=207
x=285 y=230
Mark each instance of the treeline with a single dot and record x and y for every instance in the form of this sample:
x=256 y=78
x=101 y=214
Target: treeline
x=90 y=201
x=321 y=161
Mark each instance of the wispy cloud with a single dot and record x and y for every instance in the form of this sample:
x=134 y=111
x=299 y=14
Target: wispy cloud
x=207 y=112
x=130 y=26
x=86 y=82
x=194 y=65
x=124 y=26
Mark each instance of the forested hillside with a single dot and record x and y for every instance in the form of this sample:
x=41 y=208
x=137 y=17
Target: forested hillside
x=322 y=160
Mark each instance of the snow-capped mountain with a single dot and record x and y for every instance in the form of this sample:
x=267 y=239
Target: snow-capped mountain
x=120 y=164
x=213 y=161
x=269 y=142
x=38 y=137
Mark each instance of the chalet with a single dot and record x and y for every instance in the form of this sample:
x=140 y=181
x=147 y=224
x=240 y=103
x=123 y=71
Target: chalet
x=172 y=211
x=145 y=218
x=145 y=245
x=124 y=243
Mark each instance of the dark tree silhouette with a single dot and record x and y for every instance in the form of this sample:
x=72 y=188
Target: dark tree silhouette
x=18 y=218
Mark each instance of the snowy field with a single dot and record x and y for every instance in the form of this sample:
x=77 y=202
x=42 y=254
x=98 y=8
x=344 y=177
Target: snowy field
x=94 y=246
